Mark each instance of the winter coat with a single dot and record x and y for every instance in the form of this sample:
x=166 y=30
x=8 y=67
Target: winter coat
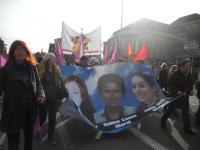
x=15 y=97
x=180 y=82
x=52 y=83
x=163 y=75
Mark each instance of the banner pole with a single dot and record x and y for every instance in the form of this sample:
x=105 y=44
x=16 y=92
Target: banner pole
x=82 y=40
x=122 y=14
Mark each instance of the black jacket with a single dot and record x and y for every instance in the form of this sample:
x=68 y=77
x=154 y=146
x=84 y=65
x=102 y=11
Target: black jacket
x=163 y=75
x=14 y=100
x=180 y=82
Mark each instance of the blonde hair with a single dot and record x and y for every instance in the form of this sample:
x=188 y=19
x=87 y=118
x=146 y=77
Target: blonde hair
x=48 y=56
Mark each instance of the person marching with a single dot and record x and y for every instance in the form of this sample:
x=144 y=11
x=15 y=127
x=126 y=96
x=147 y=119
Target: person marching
x=23 y=92
x=54 y=88
x=180 y=83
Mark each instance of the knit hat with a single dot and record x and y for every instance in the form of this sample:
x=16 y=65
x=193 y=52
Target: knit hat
x=48 y=56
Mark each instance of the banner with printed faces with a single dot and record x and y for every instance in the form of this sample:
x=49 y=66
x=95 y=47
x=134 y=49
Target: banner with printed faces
x=111 y=97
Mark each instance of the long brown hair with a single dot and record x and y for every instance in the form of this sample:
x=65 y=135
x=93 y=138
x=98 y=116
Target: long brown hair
x=29 y=57
x=86 y=105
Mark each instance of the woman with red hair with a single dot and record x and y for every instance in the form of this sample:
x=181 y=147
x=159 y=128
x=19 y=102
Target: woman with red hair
x=23 y=92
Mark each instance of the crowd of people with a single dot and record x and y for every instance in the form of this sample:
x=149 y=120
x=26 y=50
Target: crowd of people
x=34 y=86
x=178 y=82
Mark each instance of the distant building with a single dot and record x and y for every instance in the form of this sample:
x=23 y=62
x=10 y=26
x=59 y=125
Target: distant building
x=167 y=42
x=191 y=37
x=160 y=37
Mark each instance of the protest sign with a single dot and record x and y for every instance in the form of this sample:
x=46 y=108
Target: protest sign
x=113 y=97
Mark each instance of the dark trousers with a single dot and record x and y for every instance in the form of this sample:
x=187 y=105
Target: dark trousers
x=197 y=121
x=13 y=139
x=183 y=104
x=52 y=109
x=42 y=112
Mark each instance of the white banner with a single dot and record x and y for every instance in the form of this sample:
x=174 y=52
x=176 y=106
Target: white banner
x=93 y=42
x=70 y=41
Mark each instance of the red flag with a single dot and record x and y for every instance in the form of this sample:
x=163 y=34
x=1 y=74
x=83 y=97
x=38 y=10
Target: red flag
x=114 y=54
x=129 y=51
x=142 y=53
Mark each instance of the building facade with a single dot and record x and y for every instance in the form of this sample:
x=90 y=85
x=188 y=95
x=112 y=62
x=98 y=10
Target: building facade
x=166 y=42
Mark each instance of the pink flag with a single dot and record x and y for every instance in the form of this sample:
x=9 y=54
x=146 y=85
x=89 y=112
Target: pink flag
x=59 y=53
x=81 y=46
x=106 y=57
x=37 y=129
x=2 y=61
x=114 y=54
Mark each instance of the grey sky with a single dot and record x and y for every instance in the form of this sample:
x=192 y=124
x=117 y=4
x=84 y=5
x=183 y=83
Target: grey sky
x=38 y=22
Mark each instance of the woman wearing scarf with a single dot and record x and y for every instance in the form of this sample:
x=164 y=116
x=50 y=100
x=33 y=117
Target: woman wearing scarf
x=23 y=92
x=52 y=82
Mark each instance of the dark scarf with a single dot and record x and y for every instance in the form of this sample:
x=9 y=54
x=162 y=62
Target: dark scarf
x=23 y=69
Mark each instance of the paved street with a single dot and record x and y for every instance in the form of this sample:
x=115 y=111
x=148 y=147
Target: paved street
x=72 y=134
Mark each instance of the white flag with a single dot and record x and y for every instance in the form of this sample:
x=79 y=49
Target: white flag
x=69 y=39
x=92 y=42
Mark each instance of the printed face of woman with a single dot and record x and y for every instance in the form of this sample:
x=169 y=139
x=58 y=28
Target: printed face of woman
x=20 y=53
x=74 y=92
x=142 y=90
x=112 y=94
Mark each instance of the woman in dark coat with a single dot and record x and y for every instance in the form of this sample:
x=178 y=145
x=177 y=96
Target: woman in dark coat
x=22 y=89
x=54 y=88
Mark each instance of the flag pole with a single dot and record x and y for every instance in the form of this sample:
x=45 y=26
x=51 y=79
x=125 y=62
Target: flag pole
x=119 y=39
x=82 y=39
x=122 y=13
x=81 y=31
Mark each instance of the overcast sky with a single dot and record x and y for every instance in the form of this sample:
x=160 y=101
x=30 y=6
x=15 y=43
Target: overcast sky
x=39 y=22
